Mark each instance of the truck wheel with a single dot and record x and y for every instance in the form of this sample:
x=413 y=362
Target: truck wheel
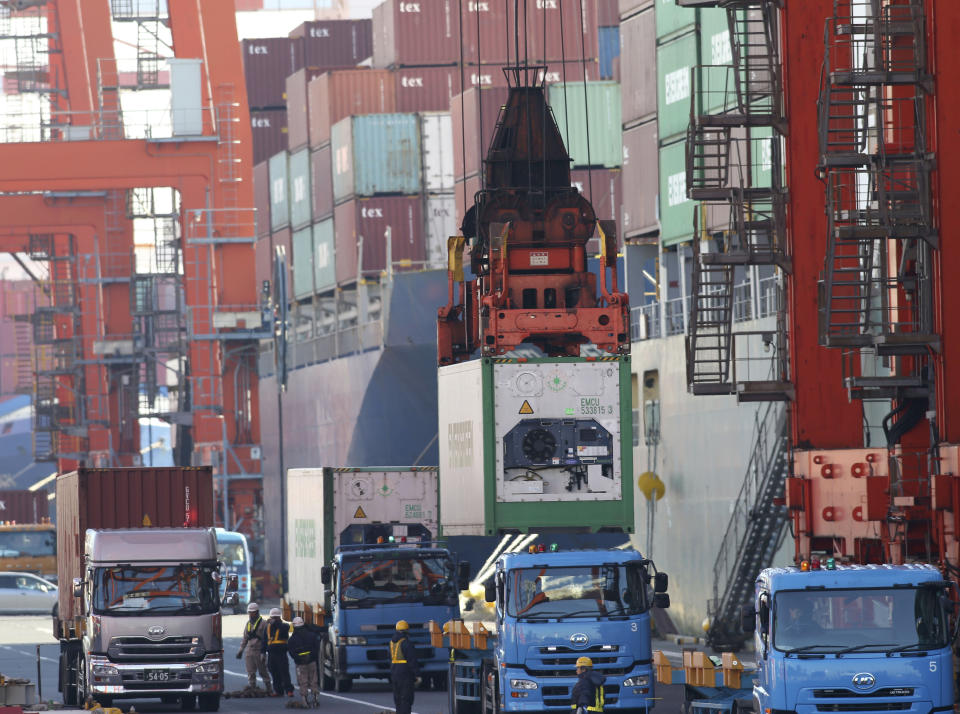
x=188 y=702
x=326 y=681
x=68 y=677
x=81 y=680
x=344 y=684
x=209 y=702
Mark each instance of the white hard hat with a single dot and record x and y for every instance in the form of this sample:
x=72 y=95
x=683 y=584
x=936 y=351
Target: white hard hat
x=298 y=622
x=275 y=612
x=253 y=607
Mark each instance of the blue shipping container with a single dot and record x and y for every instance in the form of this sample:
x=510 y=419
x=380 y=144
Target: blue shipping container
x=609 y=50
x=376 y=154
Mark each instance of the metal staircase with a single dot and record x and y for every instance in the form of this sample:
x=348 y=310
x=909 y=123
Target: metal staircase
x=710 y=339
x=755 y=531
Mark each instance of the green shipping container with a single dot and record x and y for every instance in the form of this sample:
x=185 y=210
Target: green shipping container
x=301 y=205
x=717 y=88
x=324 y=265
x=672 y=19
x=603 y=100
x=676 y=210
x=676 y=61
x=303 y=263
x=279 y=169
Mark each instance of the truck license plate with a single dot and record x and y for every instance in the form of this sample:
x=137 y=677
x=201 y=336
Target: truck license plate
x=156 y=675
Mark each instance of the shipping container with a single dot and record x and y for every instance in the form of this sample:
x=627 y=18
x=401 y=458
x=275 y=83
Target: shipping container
x=673 y=20
x=282 y=239
x=551 y=38
x=474 y=116
x=261 y=197
x=324 y=252
x=717 y=81
x=302 y=263
x=342 y=93
x=676 y=61
x=609 y=51
x=464 y=194
x=608 y=13
x=639 y=180
x=266 y=64
x=329 y=44
x=419 y=33
x=440 y=222
x=269 y=131
x=321 y=182
x=570 y=71
x=263 y=261
x=426 y=89
x=376 y=154
x=593 y=105
x=436 y=142
x=638 y=86
x=631 y=7
x=301 y=198
x=602 y=187
x=298 y=118
x=24 y=506
x=369 y=218
x=331 y=507
x=124 y=498
x=676 y=210
x=496 y=41
x=279 y=190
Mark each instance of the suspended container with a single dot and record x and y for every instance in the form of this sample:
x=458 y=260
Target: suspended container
x=676 y=210
x=436 y=137
x=542 y=443
x=638 y=86
x=324 y=256
x=279 y=191
x=675 y=63
x=301 y=199
x=376 y=154
x=593 y=104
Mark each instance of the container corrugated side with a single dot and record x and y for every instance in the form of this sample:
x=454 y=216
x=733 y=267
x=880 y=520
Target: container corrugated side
x=279 y=190
x=376 y=154
x=675 y=62
x=599 y=104
x=608 y=13
x=673 y=19
x=629 y=7
x=24 y=506
x=342 y=93
x=268 y=128
x=436 y=141
x=302 y=262
x=321 y=182
x=609 y=51
x=602 y=187
x=638 y=86
x=301 y=199
x=440 y=222
x=676 y=210
x=261 y=197
x=324 y=255
x=266 y=64
x=426 y=89
x=298 y=118
x=474 y=116
x=328 y=44
x=640 y=184
x=309 y=523
x=562 y=36
x=495 y=46
x=369 y=218
x=416 y=33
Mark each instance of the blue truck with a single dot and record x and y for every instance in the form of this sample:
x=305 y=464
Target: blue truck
x=551 y=608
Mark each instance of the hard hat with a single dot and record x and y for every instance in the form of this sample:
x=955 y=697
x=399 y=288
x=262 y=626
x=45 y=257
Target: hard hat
x=402 y=626
x=275 y=612
x=298 y=622
x=584 y=662
x=253 y=607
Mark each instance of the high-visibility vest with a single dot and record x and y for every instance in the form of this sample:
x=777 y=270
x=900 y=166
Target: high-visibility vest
x=396 y=654
x=252 y=627
x=277 y=634
x=597 y=701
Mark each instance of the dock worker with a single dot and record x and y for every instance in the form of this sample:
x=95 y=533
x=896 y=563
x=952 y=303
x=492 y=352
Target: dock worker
x=403 y=668
x=587 y=694
x=278 y=632
x=252 y=648
x=303 y=648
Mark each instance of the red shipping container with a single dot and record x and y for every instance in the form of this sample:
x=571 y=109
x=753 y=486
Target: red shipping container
x=370 y=218
x=342 y=93
x=474 y=117
x=426 y=89
x=24 y=506
x=566 y=44
x=266 y=64
x=608 y=13
x=602 y=188
x=261 y=197
x=298 y=118
x=124 y=498
x=321 y=182
x=329 y=44
x=269 y=130
x=641 y=182
x=407 y=33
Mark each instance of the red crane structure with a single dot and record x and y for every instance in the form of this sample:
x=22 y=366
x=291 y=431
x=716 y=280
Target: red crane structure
x=175 y=338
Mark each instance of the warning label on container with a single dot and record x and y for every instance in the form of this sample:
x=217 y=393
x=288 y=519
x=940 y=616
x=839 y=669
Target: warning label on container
x=360 y=513
x=525 y=408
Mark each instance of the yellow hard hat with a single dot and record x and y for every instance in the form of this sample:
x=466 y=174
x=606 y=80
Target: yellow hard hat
x=584 y=662
x=402 y=626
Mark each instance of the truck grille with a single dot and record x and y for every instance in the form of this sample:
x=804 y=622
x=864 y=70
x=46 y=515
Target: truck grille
x=170 y=649
x=560 y=696
x=850 y=694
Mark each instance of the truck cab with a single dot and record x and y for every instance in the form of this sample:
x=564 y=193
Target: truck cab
x=852 y=638
x=235 y=560
x=553 y=608
x=371 y=587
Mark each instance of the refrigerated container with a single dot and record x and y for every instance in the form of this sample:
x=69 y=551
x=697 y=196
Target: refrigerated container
x=329 y=44
x=593 y=105
x=342 y=93
x=638 y=52
x=266 y=64
x=268 y=128
x=370 y=218
x=436 y=146
x=376 y=154
x=418 y=33
x=279 y=190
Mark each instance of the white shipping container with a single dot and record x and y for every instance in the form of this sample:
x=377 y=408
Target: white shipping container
x=436 y=132
x=440 y=222
x=322 y=503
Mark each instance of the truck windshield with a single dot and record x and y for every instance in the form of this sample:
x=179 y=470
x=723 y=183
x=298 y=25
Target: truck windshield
x=234 y=556
x=173 y=590
x=27 y=544
x=861 y=620
x=586 y=591
x=401 y=579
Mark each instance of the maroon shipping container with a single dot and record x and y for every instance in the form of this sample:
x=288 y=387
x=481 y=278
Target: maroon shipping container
x=124 y=498
x=466 y=190
x=328 y=44
x=370 y=217
x=629 y=7
x=269 y=129
x=608 y=13
x=640 y=180
x=475 y=117
x=342 y=93
x=321 y=182
x=24 y=506
x=565 y=44
x=496 y=44
x=426 y=89
x=261 y=197
x=416 y=33
x=266 y=64
x=638 y=86
x=606 y=194
x=298 y=118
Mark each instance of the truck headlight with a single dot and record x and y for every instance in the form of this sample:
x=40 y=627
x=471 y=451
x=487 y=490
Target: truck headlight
x=523 y=684
x=355 y=640
x=104 y=670
x=640 y=681
x=208 y=668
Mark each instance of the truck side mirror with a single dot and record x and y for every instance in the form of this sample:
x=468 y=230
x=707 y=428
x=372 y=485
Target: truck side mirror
x=949 y=606
x=661 y=600
x=748 y=618
x=660 y=581
x=78 y=587
x=233 y=583
x=463 y=575
x=490 y=593
x=325 y=575
x=231 y=599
